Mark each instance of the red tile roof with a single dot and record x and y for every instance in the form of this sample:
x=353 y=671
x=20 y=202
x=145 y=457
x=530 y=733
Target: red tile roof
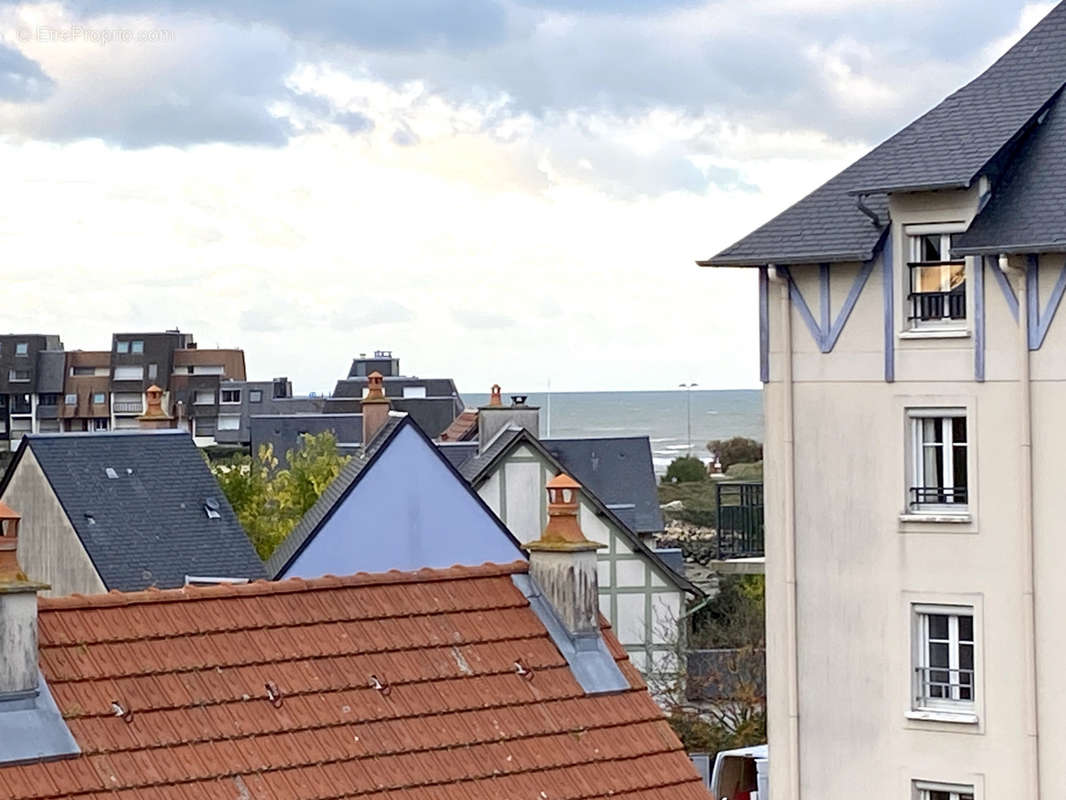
x=192 y=666
x=462 y=428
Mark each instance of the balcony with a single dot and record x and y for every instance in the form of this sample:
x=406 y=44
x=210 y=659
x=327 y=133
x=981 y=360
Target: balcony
x=741 y=531
x=128 y=407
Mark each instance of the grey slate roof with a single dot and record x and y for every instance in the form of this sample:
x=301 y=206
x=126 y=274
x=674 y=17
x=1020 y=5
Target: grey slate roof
x=481 y=462
x=1027 y=212
x=458 y=453
x=966 y=134
x=349 y=474
x=619 y=471
x=149 y=524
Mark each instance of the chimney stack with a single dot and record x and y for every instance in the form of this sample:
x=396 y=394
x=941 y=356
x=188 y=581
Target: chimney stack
x=491 y=419
x=375 y=407
x=18 y=616
x=154 y=416
x=563 y=562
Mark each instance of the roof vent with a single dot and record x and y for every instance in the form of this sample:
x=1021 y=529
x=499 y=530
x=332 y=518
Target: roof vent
x=211 y=508
x=111 y=473
x=518 y=399
x=90 y=518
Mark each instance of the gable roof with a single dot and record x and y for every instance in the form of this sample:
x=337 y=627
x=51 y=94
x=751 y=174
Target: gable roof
x=349 y=478
x=480 y=467
x=463 y=428
x=193 y=665
x=1025 y=214
x=619 y=470
x=146 y=526
x=948 y=147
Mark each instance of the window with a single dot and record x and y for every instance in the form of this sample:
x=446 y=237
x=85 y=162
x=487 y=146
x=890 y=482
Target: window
x=944 y=669
x=19 y=376
x=255 y=396
x=70 y=399
x=137 y=346
x=153 y=371
x=938 y=284
x=229 y=423
x=82 y=371
x=21 y=404
x=99 y=398
x=231 y=395
x=100 y=424
x=22 y=349
x=942 y=791
x=47 y=399
x=939 y=460
x=414 y=391
x=129 y=373
x=122 y=347
x=204 y=398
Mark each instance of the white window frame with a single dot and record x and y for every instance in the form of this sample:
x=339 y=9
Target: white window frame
x=222 y=397
x=122 y=372
x=12 y=376
x=920 y=613
x=914 y=235
x=956 y=791
x=255 y=395
x=916 y=473
x=101 y=401
x=70 y=399
x=228 y=422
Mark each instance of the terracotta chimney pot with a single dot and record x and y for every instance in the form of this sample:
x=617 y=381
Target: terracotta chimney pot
x=375 y=407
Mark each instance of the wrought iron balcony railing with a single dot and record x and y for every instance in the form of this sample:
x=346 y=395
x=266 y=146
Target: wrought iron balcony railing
x=741 y=531
x=938 y=685
x=939 y=495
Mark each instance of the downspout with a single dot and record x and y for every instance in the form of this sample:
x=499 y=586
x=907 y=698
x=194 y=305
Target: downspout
x=1025 y=477
x=789 y=519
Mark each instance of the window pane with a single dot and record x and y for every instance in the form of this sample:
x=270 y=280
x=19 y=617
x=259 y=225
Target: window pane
x=938 y=627
x=959 y=465
x=958 y=430
x=965 y=629
x=932 y=432
x=930 y=247
x=937 y=794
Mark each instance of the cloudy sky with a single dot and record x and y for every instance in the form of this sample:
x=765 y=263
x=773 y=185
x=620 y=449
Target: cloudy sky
x=497 y=190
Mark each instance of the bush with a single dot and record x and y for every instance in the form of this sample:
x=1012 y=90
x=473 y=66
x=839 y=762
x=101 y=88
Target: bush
x=686 y=469
x=745 y=472
x=738 y=450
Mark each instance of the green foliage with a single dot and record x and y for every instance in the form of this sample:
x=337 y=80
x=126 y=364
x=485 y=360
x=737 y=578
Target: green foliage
x=736 y=618
x=686 y=469
x=745 y=472
x=270 y=502
x=738 y=450
x=698 y=501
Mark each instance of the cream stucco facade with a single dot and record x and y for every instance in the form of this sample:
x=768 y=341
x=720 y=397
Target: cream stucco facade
x=853 y=563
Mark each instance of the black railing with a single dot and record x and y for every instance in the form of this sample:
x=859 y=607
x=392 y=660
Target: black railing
x=933 y=306
x=741 y=531
x=938 y=495
x=937 y=684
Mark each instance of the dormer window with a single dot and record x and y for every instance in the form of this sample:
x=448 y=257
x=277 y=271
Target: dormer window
x=937 y=283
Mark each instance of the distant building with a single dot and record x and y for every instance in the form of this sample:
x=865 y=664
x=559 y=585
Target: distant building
x=30 y=383
x=242 y=400
x=122 y=510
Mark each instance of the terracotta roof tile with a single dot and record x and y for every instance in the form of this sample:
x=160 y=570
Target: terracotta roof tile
x=452 y=719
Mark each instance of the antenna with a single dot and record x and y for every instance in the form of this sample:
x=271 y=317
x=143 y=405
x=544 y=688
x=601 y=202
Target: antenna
x=548 y=434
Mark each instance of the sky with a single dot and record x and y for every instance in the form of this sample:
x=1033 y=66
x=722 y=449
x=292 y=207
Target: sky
x=499 y=191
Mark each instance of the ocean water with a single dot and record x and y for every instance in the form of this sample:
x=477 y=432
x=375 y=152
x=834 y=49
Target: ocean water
x=661 y=416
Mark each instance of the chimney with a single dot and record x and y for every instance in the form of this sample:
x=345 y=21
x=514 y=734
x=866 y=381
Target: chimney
x=18 y=616
x=375 y=407
x=563 y=562
x=155 y=417
x=491 y=419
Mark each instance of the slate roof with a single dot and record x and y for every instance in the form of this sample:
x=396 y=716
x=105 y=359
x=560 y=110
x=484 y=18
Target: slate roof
x=950 y=146
x=458 y=453
x=193 y=666
x=149 y=526
x=347 y=478
x=619 y=471
x=1027 y=212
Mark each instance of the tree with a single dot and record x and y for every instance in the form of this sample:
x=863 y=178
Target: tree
x=686 y=469
x=738 y=450
x=270 y=502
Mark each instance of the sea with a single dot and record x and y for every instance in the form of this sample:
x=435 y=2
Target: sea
x=677 y=422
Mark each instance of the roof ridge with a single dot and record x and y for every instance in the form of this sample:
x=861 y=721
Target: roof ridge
x=287 y=586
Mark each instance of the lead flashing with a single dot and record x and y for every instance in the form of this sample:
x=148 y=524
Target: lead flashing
x=34 y=730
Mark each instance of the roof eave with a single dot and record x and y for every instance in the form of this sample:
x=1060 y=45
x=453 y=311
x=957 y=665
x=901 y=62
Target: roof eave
x=915 y=187
x=764 y=260
x=1011 y=249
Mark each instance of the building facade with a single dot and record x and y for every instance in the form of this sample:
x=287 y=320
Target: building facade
x=913 y=365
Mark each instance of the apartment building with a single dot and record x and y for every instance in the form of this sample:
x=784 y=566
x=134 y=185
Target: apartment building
x=915 y=372
x=30 y=380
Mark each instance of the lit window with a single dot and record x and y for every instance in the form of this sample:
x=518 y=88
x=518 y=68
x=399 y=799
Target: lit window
x=137 y=346
x=938 y=478
x=925 y=790
x=944 y=676
x=255 y=396
x=22 y=349
x=122 y=347
x=938 y=284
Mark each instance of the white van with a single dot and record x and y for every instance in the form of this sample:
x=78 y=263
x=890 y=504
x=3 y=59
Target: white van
x=741 y=774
